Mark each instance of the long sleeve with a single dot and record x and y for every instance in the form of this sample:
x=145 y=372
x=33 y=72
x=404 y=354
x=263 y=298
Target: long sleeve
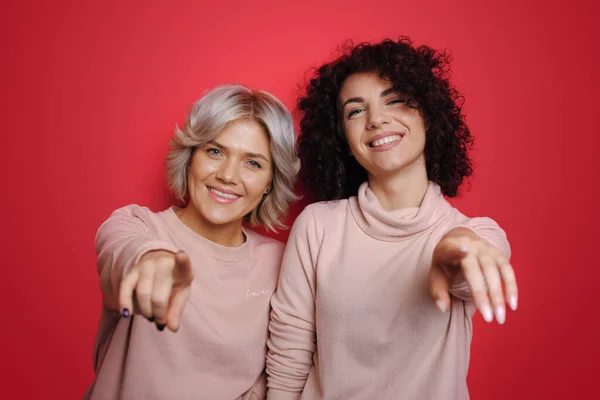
x=120 y=242
x=292 y=342
x=488 y=230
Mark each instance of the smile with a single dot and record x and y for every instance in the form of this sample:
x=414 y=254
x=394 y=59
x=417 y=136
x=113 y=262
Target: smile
x=385 y=140
x=223 y=196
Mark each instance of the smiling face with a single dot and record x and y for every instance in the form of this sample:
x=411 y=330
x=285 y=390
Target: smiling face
x=384 y=134
x=229 y=175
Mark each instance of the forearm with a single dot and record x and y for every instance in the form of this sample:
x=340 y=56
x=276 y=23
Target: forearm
x=121 y=242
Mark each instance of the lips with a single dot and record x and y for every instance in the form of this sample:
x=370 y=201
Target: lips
x=385 y=138
x=225 y=194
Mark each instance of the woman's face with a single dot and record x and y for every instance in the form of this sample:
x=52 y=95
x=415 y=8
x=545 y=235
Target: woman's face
x=229 y=175
x=384 y=135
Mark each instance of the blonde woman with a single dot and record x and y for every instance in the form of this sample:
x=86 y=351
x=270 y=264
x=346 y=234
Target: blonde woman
x=197 y=270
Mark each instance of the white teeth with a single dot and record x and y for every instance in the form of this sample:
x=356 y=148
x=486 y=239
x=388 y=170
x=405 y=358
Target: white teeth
x=225 y=195
x=385 y=140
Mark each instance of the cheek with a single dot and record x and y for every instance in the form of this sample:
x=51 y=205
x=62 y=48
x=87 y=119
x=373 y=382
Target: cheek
x=353 y=136
x=256 y=184
x=422 y=135
x=201 y=173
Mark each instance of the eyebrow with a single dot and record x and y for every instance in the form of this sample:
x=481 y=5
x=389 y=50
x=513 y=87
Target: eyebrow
x=361 y=99
x=248 y=154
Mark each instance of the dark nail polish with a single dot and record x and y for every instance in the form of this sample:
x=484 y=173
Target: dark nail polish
x=160 y=327
x=151 y=319
x=125 y=313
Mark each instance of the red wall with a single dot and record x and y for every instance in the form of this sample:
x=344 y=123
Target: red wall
x=91 y=91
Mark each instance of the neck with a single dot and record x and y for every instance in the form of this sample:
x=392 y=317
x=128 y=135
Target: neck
x=403 y=189
x=230 y=234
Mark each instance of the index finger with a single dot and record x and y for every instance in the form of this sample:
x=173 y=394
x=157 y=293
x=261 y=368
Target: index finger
x=439 y=288
x=184 y=265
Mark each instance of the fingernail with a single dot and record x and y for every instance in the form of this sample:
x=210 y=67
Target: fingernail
x=486 y=312
x=125 y=313
x=440 y=305
x=160 y=327
x=464 y=248
x=151 y=319
x=512 y=302
x=500 y=314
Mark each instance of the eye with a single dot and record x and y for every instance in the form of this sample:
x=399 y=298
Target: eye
x=213 y=151
x=397 y=101
x=254 y=164
x=355 y=112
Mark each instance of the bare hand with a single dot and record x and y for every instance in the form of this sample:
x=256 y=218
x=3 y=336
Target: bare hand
x=461 y=253
x=161 y=282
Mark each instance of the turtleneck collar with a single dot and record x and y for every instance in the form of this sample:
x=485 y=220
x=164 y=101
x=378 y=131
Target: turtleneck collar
x=396 y=225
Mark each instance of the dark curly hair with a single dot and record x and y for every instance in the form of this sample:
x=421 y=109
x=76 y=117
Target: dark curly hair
x=328 y=170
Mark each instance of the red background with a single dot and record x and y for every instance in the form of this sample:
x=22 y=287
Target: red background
x=91 y=91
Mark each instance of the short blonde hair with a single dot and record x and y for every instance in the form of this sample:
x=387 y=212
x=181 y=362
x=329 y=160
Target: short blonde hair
x=206 y=120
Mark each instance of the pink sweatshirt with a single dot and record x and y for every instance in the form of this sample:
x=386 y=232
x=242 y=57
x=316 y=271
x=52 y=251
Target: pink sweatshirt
x=352 y=316
x=219 y=351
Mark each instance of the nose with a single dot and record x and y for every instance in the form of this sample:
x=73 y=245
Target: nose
x=229 y=171
x=378 y=117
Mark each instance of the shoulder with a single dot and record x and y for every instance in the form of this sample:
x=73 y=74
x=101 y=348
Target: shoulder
x=318 y=218
x=323 y=208
x=324 y=212
x=134 y=211
x=132 y=217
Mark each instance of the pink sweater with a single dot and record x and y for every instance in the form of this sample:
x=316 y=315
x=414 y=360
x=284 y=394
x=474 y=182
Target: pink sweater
x=219 y=351
x=352 y=316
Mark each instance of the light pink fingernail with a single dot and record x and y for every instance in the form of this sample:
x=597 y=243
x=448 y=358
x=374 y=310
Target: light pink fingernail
x=486 y=312
x=500 y=314
x=441 y=306
x=464 y=248
x=512 y=302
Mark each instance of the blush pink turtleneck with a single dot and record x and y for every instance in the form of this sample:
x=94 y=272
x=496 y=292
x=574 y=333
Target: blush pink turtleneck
x=352 y=317
x=219 y=351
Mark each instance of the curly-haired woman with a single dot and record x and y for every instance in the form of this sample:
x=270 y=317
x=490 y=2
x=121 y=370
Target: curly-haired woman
x=380 y=280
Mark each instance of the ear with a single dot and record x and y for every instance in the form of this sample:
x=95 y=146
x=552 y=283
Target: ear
x=267 y=190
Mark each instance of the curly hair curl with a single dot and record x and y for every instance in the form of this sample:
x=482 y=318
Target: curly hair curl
x=422 y=74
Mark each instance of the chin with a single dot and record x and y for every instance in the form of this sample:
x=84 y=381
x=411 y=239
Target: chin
x=218 y=217
x=388 y=168
x=222 y=220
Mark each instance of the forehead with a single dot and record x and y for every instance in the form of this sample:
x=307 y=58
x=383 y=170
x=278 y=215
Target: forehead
x=363 y=84
x=244 y=135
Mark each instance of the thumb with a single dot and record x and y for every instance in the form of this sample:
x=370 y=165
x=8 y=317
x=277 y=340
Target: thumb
x=178 y=302
x=439 y=286
x=449 y=252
